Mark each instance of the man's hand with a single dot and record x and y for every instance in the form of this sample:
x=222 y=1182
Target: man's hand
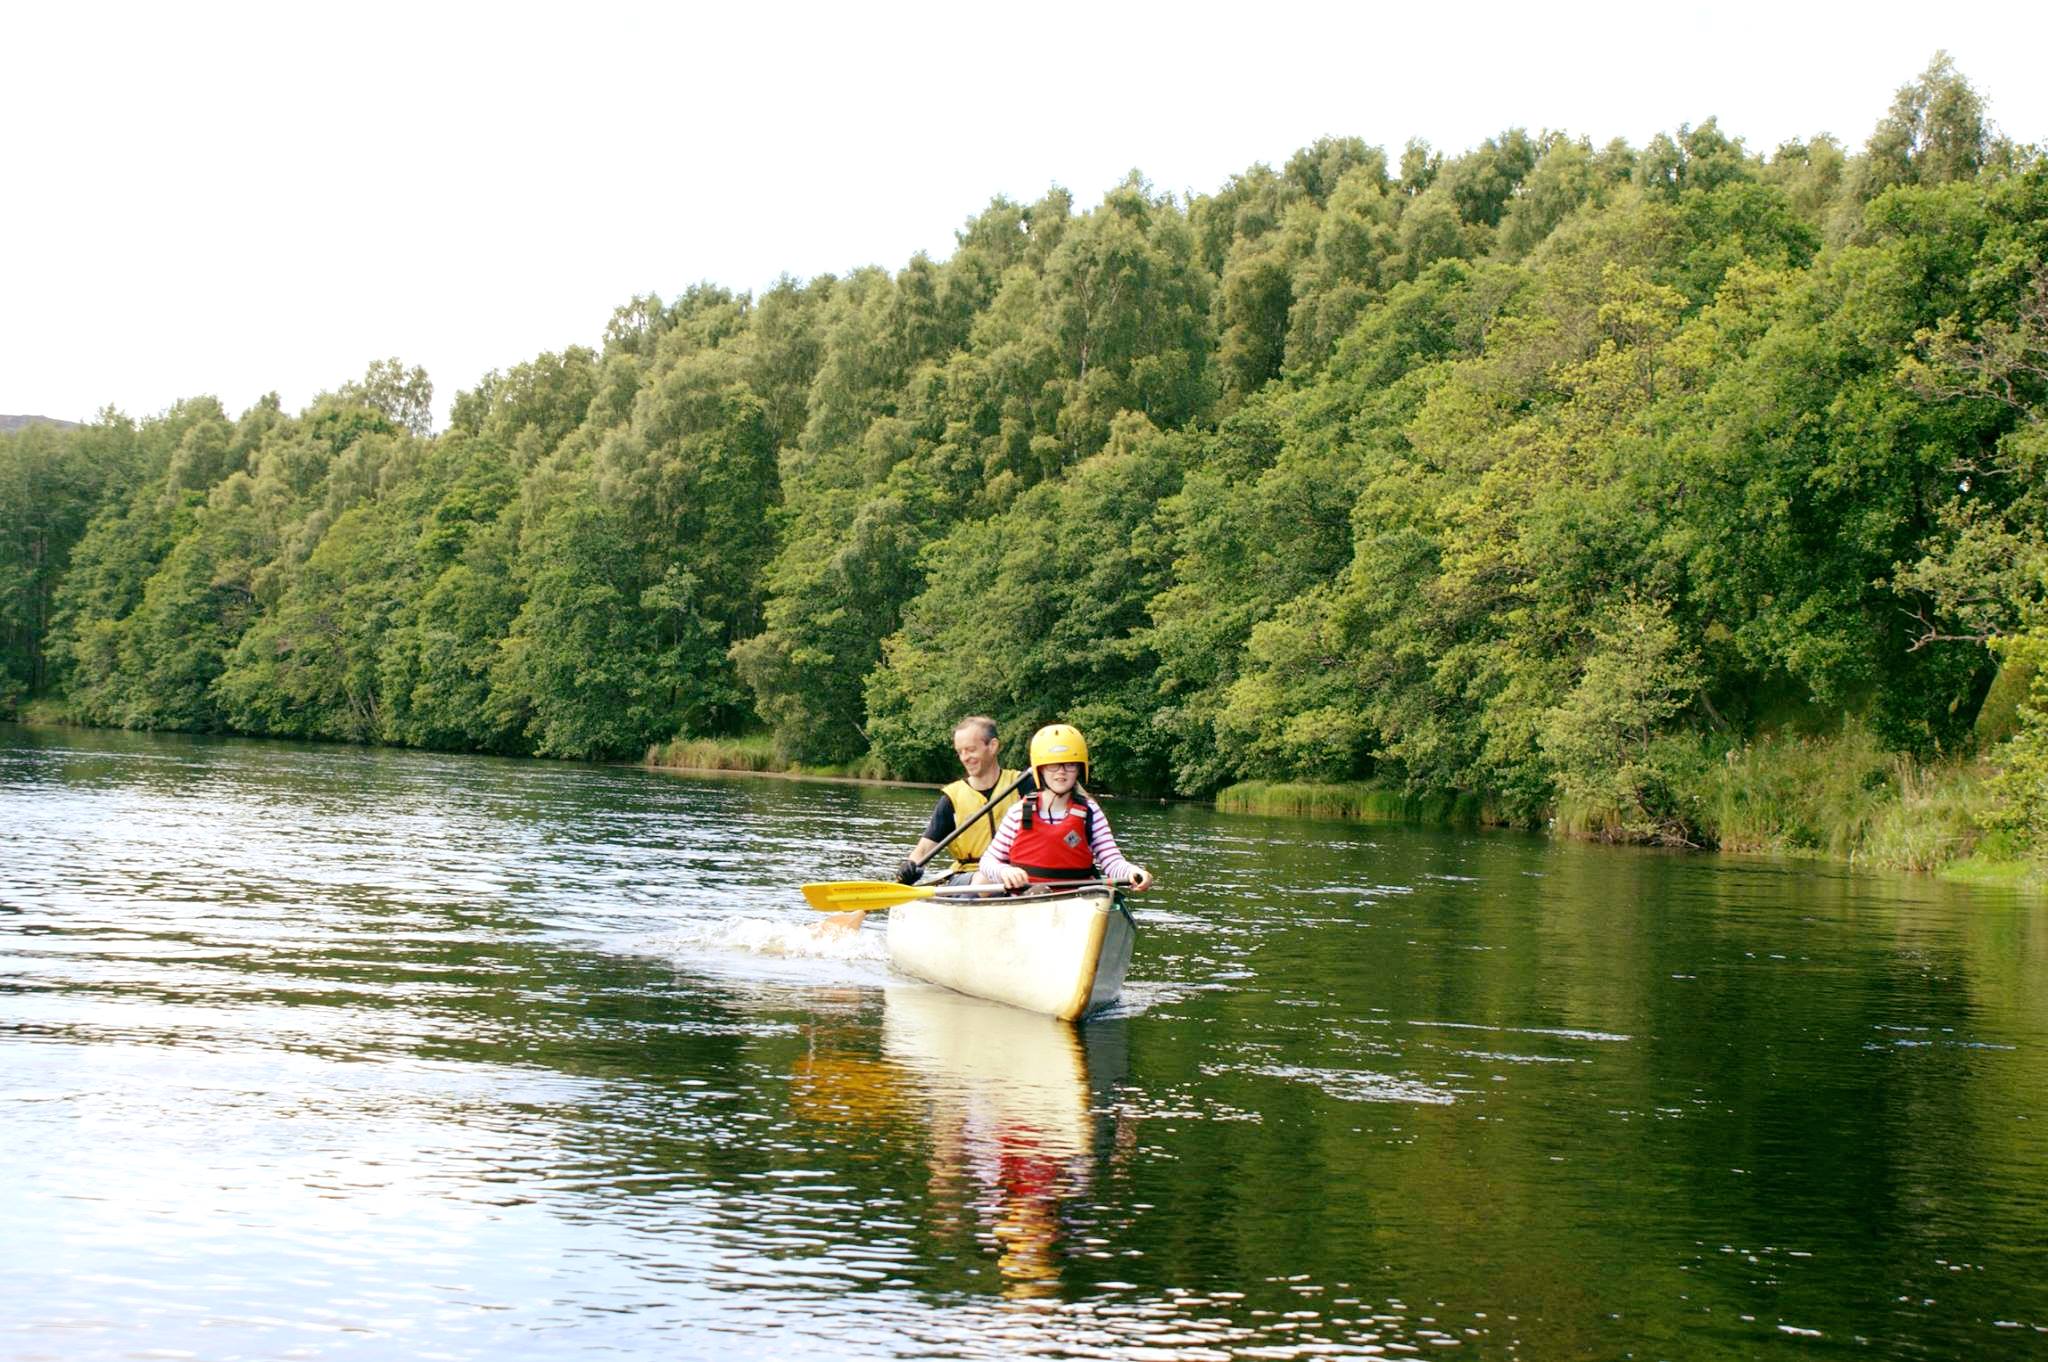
x=909 y=872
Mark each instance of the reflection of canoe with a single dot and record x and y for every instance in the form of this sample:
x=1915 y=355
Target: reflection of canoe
x=1063 y=954
x=1001 y=1068
x=1013 y=1102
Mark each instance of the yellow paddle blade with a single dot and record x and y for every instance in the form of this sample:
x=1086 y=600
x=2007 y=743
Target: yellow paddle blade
x=855 y=896
x=847 y=896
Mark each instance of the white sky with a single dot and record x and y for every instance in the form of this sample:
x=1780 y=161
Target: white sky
x=235 y=199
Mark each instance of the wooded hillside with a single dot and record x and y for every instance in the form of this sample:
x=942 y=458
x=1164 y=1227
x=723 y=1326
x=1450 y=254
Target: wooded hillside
x=1546 y=470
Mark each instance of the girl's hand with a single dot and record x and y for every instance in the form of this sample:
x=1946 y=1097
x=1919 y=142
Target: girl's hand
x=1141 y=879
x=1013 y=878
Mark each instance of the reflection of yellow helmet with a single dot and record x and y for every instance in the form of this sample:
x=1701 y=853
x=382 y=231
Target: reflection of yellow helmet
x=1059 y=742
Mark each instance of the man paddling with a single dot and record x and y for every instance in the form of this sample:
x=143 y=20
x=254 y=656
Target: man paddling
x=964 y=816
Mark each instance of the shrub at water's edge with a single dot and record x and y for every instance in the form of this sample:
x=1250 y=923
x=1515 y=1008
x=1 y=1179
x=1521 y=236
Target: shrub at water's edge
x=755 y=752
x=1840 y=795
x=1357 y=801
x=1844 y=796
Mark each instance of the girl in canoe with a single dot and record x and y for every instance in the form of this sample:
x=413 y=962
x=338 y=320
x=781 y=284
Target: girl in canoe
x=1059 y=833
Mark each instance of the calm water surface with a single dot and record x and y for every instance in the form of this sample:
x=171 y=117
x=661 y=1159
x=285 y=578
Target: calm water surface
x=330 y=1053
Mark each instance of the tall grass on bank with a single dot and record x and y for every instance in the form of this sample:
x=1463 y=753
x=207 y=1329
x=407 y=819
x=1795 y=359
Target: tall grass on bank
x=1839 y=795
x=750 y=752
x=1936 y=820
x=1789 y=793
x=1354 y=800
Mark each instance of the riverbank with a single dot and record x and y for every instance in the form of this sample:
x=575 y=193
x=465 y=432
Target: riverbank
x=1840 y=797
x=1837 y=797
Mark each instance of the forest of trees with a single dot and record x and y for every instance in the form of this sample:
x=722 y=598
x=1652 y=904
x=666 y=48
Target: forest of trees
x=1547 y=471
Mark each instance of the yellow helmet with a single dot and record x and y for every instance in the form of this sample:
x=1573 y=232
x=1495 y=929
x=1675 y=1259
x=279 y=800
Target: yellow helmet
x=1056 y=743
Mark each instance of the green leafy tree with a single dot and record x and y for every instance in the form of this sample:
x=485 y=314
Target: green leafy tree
x=1128 y=310
x=1257 y=295
x=1565 y=178
x=1600 y=740
x=1345 y=269
x=1813 y=176
x=576 y=672
x=784 y=350
x=1934 y=132
x=1484 y=181
x=1697 y=158
x=1039 y=617
x=52 y=482
x=834 y=592
x=402 y=396
x=2021 y=784
x=1430 y=231
x=309 y=667
x=193 y=611
x=527 y=411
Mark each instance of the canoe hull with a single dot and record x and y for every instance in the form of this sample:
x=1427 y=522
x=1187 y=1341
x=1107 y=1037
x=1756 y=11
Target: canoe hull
x=1060 y=954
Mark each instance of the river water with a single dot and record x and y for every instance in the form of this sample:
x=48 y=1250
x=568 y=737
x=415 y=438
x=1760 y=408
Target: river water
x=322 y=1052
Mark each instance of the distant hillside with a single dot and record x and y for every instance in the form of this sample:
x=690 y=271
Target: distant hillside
x=17 y=422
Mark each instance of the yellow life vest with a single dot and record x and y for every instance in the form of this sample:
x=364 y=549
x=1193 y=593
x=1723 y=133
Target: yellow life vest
x=968 y=806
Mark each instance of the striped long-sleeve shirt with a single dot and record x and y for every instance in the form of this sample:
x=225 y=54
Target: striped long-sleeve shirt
x=1109 y=859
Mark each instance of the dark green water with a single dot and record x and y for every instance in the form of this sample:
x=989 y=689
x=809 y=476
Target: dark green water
x=321 y=1052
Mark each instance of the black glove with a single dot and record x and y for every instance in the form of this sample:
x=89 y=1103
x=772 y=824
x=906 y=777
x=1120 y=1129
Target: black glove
x=909 y=872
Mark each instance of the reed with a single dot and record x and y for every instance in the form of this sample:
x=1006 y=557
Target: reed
x=1353 y=800
x=45 y=711
x=1934 y=819
x=1840 y=795
x=1792 y=793
x=748 y=752
x=1591 y=821
x=752 y=752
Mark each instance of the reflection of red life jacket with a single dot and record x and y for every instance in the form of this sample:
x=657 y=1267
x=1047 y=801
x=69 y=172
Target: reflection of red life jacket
x=1024 y=1170
x=1055 y=849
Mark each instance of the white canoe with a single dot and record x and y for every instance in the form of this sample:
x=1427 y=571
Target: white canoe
x=1063 y=954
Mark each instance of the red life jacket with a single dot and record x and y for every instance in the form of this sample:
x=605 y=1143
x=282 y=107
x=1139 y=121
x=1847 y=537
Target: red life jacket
x=1047 y=850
